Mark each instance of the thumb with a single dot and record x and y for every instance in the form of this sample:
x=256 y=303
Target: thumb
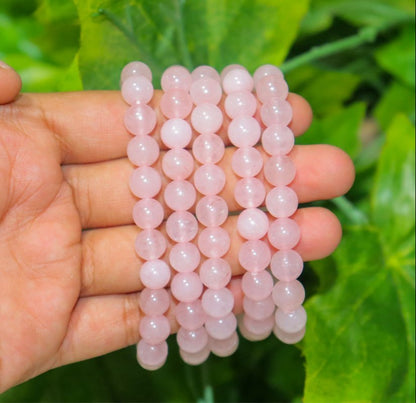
x=10 y=83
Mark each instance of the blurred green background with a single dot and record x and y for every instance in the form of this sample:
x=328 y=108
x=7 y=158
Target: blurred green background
x=354 y=61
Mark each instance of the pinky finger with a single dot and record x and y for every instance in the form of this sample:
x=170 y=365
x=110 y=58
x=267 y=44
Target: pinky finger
x=10 y=84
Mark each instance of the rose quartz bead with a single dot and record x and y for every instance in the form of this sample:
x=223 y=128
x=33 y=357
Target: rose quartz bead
x=286 y=265
x=291 y=322
x=221 y=328
x=209 y=179
x=249 y=335
x=276 y=111
x=155 y=274
x=143 y=150
x=136 y=69
x=186 y=287
x=267 y=70
x=279 y=170
x=178 y=164
x=195 y=358
x=242 y=103
x=244 y=131
x=190 y=315
x=226 y=347
x=214 y=242
x=282 y=201
x=230 y=67
x=252 y=223
x=211 y=211
x=249 y=192
x=205 y=72
x=151 y=357
x=237 y=80
x=184 y=257
x=140 y=119
x=206 y=118
x=254 y=256
x=150 y=244
x=277 y=140
x=288 y=295
x=180 y=195
x=206 y=90
x=259 y=309
x=154 y=302
x=154 y=329
x=176 y=133
x=176 y=77
x=192 y=341
x=289 y=338
x=217 y=303
x=137 y=89
x=181 y=226
x=215 y=273
x=257 y=286
x=271 y=87
x=246 y=162
x=208 y=148
x=260 y=328
x=148 y=213
x=145 y=182
x=284 y=233
x=176 y=103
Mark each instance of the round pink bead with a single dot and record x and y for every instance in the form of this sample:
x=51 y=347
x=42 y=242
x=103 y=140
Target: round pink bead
x=184 y=257
x=136 y=69
x=286 y=265
x=244 y=131
x=155 y=274
x=195 y=358
x=150 y=244
x=152 y=357
x=215 y=273
x=206 y=118
x=289 y=338
x=271 y=87
x=190 y=315
x=154 y=302
x=143 y=150
x=208 y=148
x=242 y=103
x=226 y=347
x=277 y=140
x=140 y=119
x=249 y=192
x=180 y=195
x=209 y=179
x=214 y=242
x=230 y=67
x=217 y=303
x=252 y=223
x=237 y=80
x=291 y=322
x=148 y=213
x=154 y=329
x=211 y=211
x=176 y=133
x=276 y=112
x=284 y=233
x=221 y=328
x=186 y=287
x=181 y=226
x=249 y=335
x=246 y=162
x=259 y=310
x=257 y=286
x=178 y=164
x=254 y=256
x=205 y=72
x=267 y=70
x=176 y=103
x=288 y=295
x=261 y=328
x=279 y=170
x=176 y=77
x=206 y=90
x=192 y=341
x=145 y=182
x=282 y=201
x=137 y=89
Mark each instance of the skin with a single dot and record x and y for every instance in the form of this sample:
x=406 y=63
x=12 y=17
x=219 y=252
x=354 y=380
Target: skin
x=69 y=275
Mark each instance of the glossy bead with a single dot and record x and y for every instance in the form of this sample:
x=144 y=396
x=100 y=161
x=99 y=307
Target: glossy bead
x=289 y=338
x=137 y=89
x=192 y=341
x=178 y=164
x=214 y=242
x=208 y=148
x=279 y=170
x=176 y=103
x=230 y=67
x=205 y=72
x=261 y=328
x=259 y=309
x=267 y=70
x=246 y=162
x=184 y=257
x=206 y=90
x=186 y=287
x=140 y=119
x=244 y=131
x=286 y=265
x=249 y=192
x=209 y=179
x=181 y=226
x=291 y=322
x=145 y=182
x=282 y=201
x=179 y=195
x=217 y=303
x=154 y=302
x=276 y=112
x=257 y=286
x=150 y=244
x=211 y=211
x=195 y=358
x=252 y=223
x=136 y=69
x=221 y=328
x=226 y=347
x=176 y=133
x=284 y=233
x=215 y=273
x=249 y=335
x=254 y=256
x=288 y=295
x=277 y=140
x=176 y=77
x=148 y=213
x=271 y=87
x=242 y=103
x=237 y=80
x=190 y=315
x=143 y=150
x=154 y=329
x=155 y=274
x=206 y=118
x=151 y=357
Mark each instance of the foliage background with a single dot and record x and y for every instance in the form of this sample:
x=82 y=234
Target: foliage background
x=354 y=61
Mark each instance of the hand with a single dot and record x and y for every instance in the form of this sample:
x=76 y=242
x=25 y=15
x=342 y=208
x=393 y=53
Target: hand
x=69 y=274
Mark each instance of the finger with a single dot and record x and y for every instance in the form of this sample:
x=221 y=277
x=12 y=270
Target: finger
x=10 y=84
x=103 y=197
x=110 y=264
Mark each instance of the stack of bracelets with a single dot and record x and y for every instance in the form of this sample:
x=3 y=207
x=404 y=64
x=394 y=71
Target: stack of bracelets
x=192 y=264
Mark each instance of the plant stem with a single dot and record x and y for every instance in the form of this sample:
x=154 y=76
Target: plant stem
x=354 y=215
x=186 y=56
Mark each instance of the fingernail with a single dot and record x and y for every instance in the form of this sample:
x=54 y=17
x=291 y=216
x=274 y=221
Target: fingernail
x=4 y=65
